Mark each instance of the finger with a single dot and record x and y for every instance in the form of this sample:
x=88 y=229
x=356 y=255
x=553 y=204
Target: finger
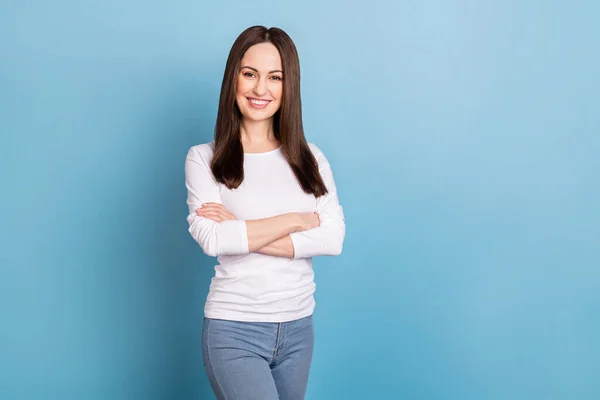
x=221 y=209
x=216 y=210
x=213 y=216
x=213 y=207
x=211 y=204
x=205 y=208
x=224 y=214
x=204 y=211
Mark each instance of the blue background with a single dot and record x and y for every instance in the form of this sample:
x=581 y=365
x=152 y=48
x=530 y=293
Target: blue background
x=465 y=142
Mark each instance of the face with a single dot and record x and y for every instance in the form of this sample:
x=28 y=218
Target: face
x=260 y=82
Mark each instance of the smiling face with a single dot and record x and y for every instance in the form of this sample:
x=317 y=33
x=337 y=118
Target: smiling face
x=259 y=85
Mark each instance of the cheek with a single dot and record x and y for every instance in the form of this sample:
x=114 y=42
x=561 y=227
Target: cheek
x=243 y=87
x=277 y=91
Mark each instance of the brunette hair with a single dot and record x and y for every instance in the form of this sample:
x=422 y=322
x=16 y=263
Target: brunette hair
x=228 y=160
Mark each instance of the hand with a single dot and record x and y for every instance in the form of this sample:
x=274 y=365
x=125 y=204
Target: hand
x=308 y=221
x=215 y=211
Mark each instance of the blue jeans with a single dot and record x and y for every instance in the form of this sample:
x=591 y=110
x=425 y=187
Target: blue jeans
x=258 y=360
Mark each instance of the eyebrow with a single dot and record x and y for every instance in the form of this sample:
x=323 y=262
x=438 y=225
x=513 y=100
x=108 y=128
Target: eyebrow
x=255 y=70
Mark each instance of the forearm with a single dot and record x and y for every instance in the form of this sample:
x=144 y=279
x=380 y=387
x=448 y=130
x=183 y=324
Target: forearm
x=322 y=241
x=327 y=239
x=282 y=247
x=263 y=232
x=217 y=239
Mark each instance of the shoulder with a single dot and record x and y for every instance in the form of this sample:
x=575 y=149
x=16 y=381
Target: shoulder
x=202 y=153
x=318 y=153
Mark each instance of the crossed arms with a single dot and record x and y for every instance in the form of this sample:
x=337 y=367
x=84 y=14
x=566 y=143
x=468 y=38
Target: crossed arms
x=293 y=235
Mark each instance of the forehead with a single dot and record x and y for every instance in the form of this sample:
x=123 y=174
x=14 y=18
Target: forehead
x=262 y=56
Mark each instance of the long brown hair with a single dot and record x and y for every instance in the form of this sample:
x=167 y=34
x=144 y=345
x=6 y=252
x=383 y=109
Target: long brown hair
x=228 y=161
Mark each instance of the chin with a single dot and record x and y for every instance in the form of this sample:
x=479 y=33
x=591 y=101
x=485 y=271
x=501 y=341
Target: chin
x=257 y=117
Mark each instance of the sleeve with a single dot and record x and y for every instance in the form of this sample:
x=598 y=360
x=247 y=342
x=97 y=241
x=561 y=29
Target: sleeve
x=328 y=238
x=215 y=238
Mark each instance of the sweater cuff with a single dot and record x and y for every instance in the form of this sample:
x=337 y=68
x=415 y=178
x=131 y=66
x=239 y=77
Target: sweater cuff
x=236 y=230
x=302 y=245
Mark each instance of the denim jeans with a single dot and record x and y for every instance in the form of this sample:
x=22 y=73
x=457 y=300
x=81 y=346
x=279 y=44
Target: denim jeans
x=258 y=360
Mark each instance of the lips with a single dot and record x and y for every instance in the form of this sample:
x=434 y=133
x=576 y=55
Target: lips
x=258 y=103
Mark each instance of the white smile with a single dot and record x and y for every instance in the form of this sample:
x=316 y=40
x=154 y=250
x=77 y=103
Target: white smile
x=259 y=102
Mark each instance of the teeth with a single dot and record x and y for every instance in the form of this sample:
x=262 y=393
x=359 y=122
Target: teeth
x=259 y=102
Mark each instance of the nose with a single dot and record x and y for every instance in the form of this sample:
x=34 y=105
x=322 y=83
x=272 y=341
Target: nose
x=260 y=89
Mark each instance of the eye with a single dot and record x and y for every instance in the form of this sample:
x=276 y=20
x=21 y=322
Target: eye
x=249 y=74
x=277 y=78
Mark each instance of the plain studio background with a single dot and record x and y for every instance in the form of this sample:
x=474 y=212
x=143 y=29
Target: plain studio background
x=465 y=141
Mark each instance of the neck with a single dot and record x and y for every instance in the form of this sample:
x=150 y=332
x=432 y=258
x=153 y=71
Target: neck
x=257 y=132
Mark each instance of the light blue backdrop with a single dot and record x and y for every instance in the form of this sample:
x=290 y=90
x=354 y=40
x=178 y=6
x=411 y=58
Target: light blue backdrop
x=465 y=141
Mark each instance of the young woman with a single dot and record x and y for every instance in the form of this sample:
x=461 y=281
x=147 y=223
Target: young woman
x=263 y=201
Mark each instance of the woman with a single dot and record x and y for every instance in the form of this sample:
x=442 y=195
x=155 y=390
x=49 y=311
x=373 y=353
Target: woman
x=263 y=201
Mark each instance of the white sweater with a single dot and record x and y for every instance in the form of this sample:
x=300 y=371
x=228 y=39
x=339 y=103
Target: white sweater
x=252 y=286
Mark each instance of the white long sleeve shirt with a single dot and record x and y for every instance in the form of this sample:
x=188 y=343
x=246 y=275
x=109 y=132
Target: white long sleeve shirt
x=252 y=286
